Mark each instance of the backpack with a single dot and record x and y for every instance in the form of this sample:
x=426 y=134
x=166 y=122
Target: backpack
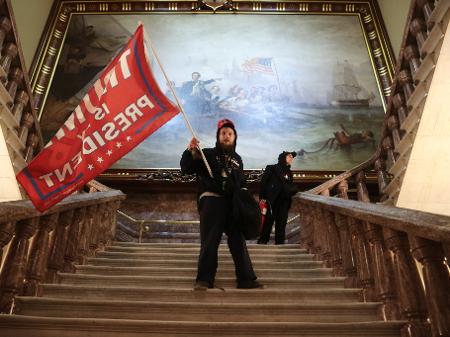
x=246 y=214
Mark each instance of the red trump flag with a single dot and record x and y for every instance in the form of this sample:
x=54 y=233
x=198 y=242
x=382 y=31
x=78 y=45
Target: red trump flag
x=124 y=106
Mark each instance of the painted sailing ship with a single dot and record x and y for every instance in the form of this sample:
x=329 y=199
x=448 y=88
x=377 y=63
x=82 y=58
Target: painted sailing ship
x=347 y=92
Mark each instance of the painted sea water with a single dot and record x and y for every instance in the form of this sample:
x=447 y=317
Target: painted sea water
x=262 y=137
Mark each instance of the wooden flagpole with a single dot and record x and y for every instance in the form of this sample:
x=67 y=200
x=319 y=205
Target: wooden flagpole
x=172 y=89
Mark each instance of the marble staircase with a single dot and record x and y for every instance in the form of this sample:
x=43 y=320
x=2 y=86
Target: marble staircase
x=146 y=289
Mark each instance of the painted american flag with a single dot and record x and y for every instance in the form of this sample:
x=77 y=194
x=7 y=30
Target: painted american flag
x=258 y=64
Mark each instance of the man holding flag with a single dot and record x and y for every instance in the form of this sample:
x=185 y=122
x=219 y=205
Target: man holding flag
x=124 y=107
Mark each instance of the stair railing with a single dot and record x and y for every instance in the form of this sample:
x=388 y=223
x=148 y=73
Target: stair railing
x=376 y=247
x=399 y=257
x=36 y=246
x=17 y=112
x=143 y=228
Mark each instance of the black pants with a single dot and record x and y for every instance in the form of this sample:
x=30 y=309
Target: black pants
x=279 y=215
x=215 y=219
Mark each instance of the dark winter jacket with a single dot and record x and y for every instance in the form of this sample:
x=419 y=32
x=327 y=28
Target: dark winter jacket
x=216 y=160
x=277 y=182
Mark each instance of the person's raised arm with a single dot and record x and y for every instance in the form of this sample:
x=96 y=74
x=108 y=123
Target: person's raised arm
x=190 y=162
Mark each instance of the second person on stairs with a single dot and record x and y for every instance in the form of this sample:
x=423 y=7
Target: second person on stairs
x=215 y=206
x=277 y=189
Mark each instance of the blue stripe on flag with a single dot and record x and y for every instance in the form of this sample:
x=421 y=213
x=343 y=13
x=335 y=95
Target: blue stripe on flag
x=48 y=195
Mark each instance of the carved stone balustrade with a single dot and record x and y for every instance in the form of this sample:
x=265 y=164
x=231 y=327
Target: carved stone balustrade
x=6 y=233
x=14 y=79
x=437 y=282
x=8 y=55
x=381 y=244
x=438 y=14
x=70 y=254
x=361 y=247
x=5 y=27
x=382 y=248
x=427 y=7
x=406 y=82
x=393 y=126
x=93 y=244
x=419 y=30
x=380 y=168
x=412 y=56
x=83 y=242
x=32 y=144
x=11 y=278
x=55 y=238
x=26 y=124
x=398 y=101
x=58 y=248
x=410 y=293
x=39 y=255
x=347 y=252
x=15 y=93
x=335 y=244
x=385 y=290
x=20 y=102
x=388 y=149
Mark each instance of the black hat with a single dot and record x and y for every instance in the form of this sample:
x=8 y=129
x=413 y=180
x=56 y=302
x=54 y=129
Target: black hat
x=285 y=153
x=282 y=156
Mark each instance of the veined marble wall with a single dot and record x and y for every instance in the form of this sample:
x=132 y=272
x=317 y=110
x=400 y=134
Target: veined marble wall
x=9 y=189
x=426 y=185
x=31 y=17
x=394 y=14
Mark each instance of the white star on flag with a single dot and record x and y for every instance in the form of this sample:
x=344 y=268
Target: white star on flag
x=118 y=145
x=109 y=152
x=100 y=159
x=90 y=167
x=128 y=138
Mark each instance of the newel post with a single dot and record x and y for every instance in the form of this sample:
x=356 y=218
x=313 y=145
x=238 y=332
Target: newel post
x=383 y=273
x=348 y=256
x=335 y=243
x=85 y=230
x=38 y=255
x=410 y=292
x=436 y=277
x=6 y=234
x=321 y=234
x=73 y=239
x=306 y=230
x=11 y=280
x=56 y=256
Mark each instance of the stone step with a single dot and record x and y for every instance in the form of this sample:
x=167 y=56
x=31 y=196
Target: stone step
x=27 y=326
x=197 y=311
x=183 y=228
x=192 y=272
x=258 y=250
x=269 y=295
x=170 y=228
x=194 y=256
x=174 y=239
x=185 y=245
x=185 y=282
x=172 y=235
x=192 y=263
x=188 y=238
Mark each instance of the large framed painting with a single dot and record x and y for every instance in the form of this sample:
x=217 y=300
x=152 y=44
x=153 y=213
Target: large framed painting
x=305 y=76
